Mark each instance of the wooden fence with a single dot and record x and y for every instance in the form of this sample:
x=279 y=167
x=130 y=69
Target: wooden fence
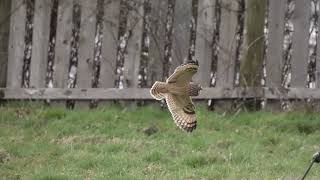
x=115 y=50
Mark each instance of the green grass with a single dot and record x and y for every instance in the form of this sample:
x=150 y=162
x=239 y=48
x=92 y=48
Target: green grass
x=109 y=143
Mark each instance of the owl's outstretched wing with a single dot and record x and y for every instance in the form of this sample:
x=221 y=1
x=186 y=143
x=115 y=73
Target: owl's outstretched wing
x=183 y=73
x=182 y=111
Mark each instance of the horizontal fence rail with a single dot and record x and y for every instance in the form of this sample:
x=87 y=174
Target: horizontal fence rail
x=143 y=94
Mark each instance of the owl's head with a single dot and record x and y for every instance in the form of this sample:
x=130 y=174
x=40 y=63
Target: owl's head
x=191 y=66
x=192 y=62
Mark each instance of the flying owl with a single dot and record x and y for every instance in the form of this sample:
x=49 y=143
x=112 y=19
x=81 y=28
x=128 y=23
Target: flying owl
x=177 y=91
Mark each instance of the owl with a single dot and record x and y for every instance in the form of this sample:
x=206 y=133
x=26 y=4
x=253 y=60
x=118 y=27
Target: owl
x=177 y=91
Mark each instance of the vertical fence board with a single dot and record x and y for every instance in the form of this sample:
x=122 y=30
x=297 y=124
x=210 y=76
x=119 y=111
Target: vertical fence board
x=181 y=32
x=132 y=61
x=300 y=44
x=227 y=48
x=16 y=44
x=299 y=63
x=157 y=42
x=63 y=40
x=204 y=41
x=4 y=34
x=87 y=40
x=109 y=43
x=40 y=44
x=274 y=61
x=274 y=56
x=251 y=65
x=318 y=59
x=317 y=69
x=86 y=45
x=226 y=57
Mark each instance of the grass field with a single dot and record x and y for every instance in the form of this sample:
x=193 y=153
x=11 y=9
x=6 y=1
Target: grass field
x=38 y=142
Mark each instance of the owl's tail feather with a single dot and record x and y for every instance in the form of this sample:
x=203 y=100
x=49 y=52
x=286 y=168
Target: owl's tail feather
x=157 y=90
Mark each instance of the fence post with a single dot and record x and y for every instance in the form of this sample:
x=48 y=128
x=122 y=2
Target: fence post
x=62 y=46
x=251 y=64
x=274 y=61
x=86 y=46
x=5 y=7
x=300 y=48
x=226 y=55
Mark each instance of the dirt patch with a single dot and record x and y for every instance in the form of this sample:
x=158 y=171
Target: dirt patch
x=225 y=144
x=65 y=140
x=150 y=130
x=4 y=156
x=78 y=139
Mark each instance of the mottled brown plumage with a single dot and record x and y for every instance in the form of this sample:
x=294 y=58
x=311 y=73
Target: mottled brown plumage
x=177 y=91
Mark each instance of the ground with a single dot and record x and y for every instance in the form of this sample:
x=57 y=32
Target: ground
x=38 y=142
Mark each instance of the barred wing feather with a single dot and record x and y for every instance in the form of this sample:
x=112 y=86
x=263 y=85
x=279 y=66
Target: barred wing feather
x=183 y=74
x=182 y=111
